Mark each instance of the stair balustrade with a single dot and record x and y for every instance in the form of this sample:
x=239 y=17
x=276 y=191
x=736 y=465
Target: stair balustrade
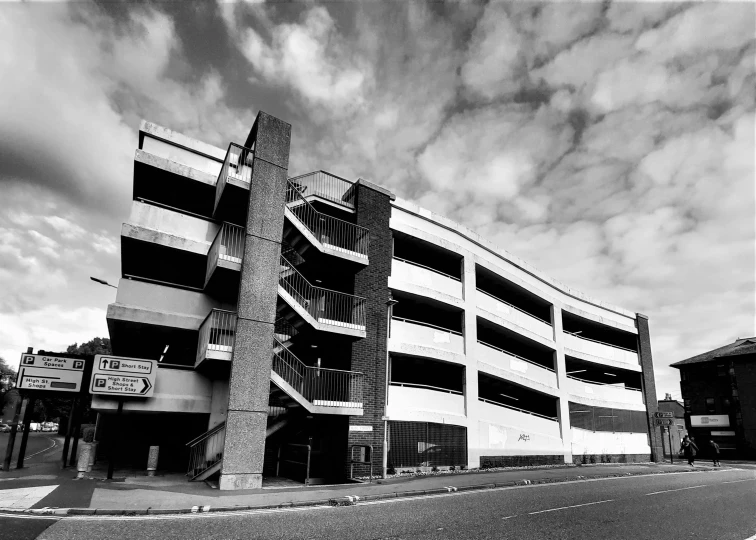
x=206 y=451
x=323 y=305
x=320 y=386
x=330 y=231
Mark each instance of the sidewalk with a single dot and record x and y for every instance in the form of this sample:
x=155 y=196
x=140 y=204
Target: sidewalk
x=135 y=493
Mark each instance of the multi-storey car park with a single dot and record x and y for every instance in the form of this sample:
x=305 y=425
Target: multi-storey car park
x=313 y=310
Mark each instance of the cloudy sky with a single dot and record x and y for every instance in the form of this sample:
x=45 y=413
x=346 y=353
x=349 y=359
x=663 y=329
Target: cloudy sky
x=609 y=145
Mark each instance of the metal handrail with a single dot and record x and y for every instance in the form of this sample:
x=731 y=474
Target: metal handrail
x=218 y=328
x=603 y=384
x=328 y=186
x=237 y=164
x=575 y=334
x=517 y=409
x=512 y=306
x=413 y=263
x=330 y=387
x=205 y=435
x=206 y=450
x=323 y=305
x=328 y=230
x=414 y=385
x=421 y=323
x=516 y=356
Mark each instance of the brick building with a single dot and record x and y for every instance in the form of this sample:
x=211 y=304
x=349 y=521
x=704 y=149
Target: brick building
x=313 y=314
x=719 y=395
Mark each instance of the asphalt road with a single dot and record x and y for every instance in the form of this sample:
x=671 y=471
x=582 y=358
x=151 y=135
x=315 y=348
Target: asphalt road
x=35 y=447
x=709 y=505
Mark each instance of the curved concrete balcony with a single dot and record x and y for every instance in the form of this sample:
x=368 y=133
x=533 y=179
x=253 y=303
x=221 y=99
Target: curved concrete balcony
x=580 y=388
x=416 y=278
x=233 y=184
x=215 y=345
x=327 y=234
x=413 y=401
x=510 y=313
x=322 y=309
x=428 y=337
x=599 y=350
x=516 y=366
x=505 y=415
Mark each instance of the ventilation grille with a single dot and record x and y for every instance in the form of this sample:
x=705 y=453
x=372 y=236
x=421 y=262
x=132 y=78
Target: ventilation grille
x=425 y=444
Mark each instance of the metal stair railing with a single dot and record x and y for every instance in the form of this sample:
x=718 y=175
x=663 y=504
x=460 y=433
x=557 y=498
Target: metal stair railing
x=206 y=450
x=328 y=230
x=320 y=386
x=323 y=305
x=326 y=186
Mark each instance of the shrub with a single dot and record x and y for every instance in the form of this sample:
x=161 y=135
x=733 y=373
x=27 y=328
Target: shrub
x=452 y=468
x=88 y=434
x=463 y=467
x=585 y=459
x=390 y=470
x=418 y=471
x=434 y=469
x=83 y=427
x=593 y=458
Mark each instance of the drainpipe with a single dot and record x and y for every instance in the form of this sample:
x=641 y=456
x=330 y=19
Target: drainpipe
x=389 y=312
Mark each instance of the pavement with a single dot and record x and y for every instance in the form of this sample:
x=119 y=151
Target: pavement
x=43 y=488
x=714 y=504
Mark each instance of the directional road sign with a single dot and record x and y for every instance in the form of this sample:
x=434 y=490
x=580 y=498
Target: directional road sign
x=661 y=414
x=120 y=376
x=53 y=373
x=664 y=421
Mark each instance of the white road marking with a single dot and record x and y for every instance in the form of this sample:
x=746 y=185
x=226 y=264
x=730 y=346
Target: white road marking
x=509 y=517
x=751 y=537
x=735 y=482
x=678 y=489
x=567 y=507
x=45 y=450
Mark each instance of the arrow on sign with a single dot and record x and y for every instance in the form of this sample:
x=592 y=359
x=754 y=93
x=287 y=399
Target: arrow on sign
x=147 y=386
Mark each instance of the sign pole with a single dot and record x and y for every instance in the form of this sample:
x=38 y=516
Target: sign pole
x=12 y=438
x=69 y=429
x=76 y=430
x=27 y=426
x=113 y=439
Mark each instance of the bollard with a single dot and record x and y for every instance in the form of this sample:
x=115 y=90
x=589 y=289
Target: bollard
x=82 y=464
x=152 y=460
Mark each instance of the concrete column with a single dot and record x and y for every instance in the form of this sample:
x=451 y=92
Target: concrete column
x=561 y=373
x=249 y=384
x=649 y=386
x=471 y=362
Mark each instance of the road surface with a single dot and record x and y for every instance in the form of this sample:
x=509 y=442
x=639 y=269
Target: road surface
x=708 y=505
x=36 y=447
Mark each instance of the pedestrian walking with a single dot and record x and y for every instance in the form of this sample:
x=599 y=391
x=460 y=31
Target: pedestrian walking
x=715 y=453
x=690 y=450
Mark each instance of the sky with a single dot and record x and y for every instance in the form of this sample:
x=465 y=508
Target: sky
x=610 y=145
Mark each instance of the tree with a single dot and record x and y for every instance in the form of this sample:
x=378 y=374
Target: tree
x=95 y=346
x=7 y=396
x=57 y=408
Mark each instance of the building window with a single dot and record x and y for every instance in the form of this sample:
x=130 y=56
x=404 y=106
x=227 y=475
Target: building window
x=725 y=404
x=683 y=375
x=710 y=406
x=687 y=405
x=721 y=370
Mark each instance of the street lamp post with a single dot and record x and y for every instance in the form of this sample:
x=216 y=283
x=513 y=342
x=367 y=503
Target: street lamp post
x=102 y=282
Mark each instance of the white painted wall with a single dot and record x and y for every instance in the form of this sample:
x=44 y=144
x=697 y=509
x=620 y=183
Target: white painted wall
x=173 y=223
x=422 y=400
x=605 y=442
x=515 y=316
x=426 y=336
x=599 y=350
x=422 y=277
